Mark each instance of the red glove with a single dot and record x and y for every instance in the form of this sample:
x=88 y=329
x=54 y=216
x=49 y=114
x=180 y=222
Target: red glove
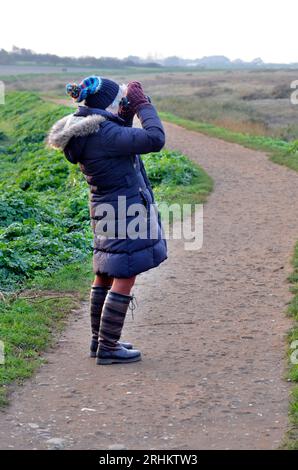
x=136 y=97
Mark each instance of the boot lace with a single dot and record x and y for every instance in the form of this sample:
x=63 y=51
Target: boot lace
x=132 y=305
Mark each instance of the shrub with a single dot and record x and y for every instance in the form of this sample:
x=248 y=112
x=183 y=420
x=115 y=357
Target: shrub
x=170 y=168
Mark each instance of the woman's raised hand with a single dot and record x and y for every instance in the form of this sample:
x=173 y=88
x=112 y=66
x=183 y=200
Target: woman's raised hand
x=136 y=97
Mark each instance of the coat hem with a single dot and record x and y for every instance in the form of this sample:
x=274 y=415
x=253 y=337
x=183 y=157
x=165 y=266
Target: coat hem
x=134 y=273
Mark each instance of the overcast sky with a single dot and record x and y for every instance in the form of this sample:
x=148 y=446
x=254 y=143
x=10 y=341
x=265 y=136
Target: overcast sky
x=188 y=28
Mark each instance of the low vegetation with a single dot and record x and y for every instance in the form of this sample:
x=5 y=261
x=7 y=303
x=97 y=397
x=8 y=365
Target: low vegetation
x=292 y=437
x=246 y=101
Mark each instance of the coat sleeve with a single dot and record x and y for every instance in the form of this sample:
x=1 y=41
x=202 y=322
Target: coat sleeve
x=130 y=140
x=74 y=149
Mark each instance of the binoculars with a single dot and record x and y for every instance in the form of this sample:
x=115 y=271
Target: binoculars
x=125 y=101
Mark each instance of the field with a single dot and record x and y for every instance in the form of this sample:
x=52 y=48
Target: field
x=254 y=102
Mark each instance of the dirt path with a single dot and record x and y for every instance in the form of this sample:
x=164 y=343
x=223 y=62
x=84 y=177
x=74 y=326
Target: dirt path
x=210 y=324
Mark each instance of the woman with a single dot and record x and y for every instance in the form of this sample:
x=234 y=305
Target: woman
x=107 y=149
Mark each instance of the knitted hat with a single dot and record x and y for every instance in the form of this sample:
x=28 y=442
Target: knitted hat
x=97 y=92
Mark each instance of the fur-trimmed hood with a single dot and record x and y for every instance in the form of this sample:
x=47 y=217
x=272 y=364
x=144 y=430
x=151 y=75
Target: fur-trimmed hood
x=73 y=126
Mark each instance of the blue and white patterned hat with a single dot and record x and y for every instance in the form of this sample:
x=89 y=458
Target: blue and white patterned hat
x=96 y=92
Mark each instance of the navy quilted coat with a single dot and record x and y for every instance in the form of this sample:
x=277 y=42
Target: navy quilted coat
x=108 y=152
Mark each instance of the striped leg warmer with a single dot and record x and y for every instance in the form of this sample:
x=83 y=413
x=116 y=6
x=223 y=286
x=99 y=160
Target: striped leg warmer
x=112 y=320
x=97 y=298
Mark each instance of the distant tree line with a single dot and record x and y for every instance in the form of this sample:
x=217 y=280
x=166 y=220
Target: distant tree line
x=28 y=57
x=21 y=56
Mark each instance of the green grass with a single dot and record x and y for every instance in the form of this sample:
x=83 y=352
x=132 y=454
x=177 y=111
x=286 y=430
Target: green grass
x=31 y=320
x=175 y=179
x=288 y=158
x=44 y=218
x=45 y=235
x=292 y=437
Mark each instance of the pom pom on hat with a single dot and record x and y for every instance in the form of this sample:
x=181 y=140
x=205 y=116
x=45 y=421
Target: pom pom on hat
x=73 y=90
x=88 y=86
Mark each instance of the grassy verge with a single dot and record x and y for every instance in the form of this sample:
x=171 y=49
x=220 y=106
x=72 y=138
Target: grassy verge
x=175 y=179
x=256 y=142
x=45 y=236
x=292 y=437
x=31 y=319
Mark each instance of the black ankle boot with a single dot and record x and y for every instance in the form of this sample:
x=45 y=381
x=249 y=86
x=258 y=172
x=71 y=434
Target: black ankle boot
x=97 y=298
x=112 y=320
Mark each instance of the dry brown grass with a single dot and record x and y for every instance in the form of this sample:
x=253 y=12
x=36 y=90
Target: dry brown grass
x=256 y=102
x=245 y=127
